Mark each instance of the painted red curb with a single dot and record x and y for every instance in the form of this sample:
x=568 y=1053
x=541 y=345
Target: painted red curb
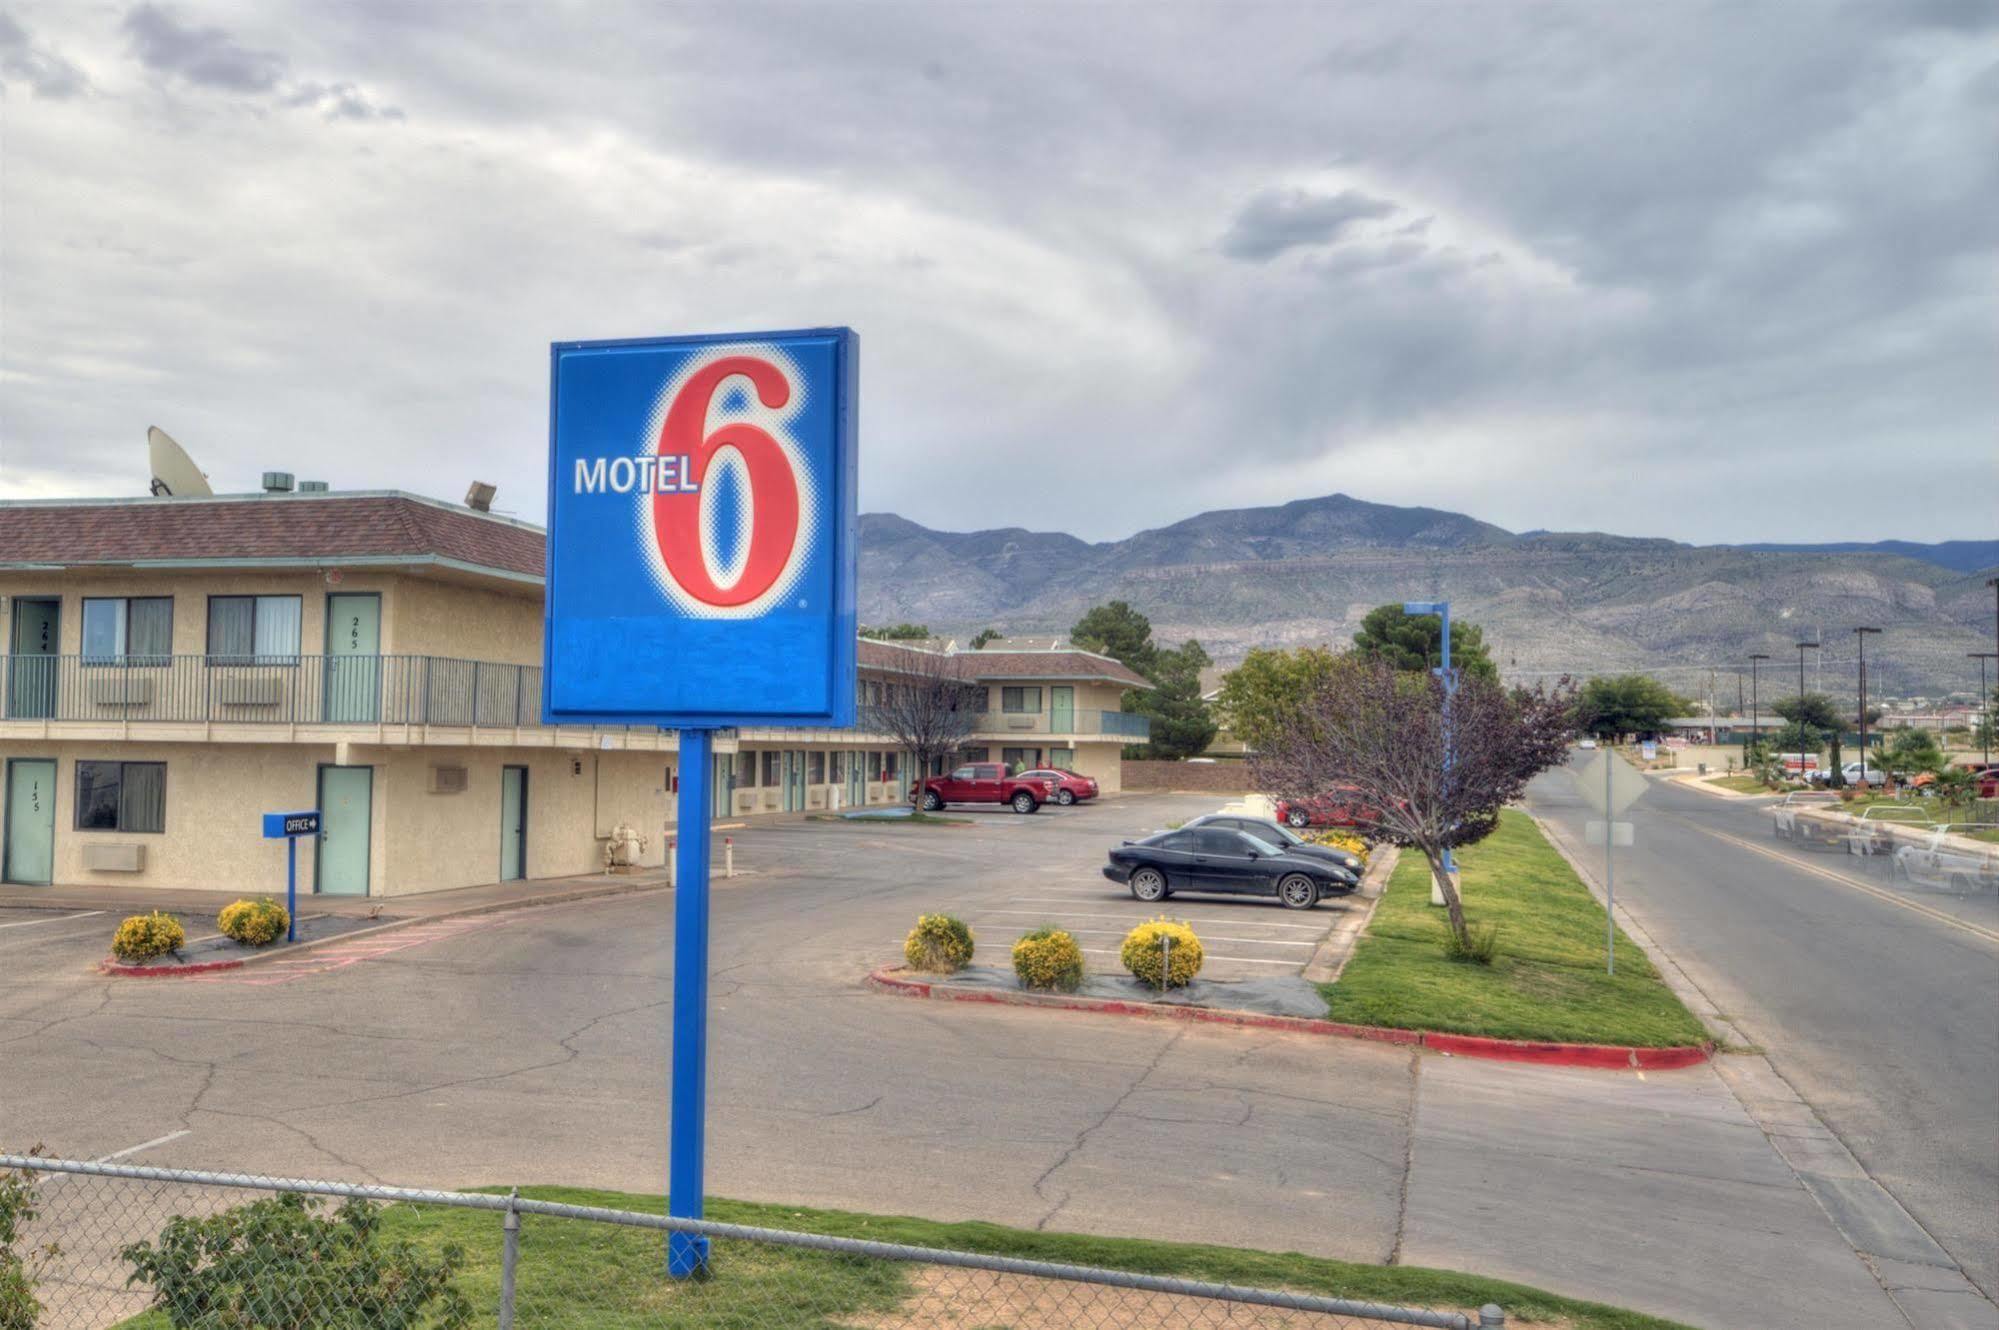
x=123 y=971
x=1618 y=1057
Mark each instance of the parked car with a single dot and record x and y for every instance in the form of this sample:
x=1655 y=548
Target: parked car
x=1226 y=862
x=983 y=783
x=1587 y=743
x=1070 y=787
x=1854 y=774
x=1340 y=807
x=1280 y=836
x=1986 y=782
x=1798 y=766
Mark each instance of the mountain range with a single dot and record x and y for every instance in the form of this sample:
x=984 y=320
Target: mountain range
x=1549 y=602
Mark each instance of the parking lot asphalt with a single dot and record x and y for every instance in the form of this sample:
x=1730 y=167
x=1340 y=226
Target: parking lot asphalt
x=531 y=1046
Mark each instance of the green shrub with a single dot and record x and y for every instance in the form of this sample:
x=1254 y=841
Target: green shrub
x=1141 y=953
x=20 y=1266
x=1048 y=958
x=938 y=943
x=144 y=936
x=253 y=923
x=279 y=1263
x=1480 y=945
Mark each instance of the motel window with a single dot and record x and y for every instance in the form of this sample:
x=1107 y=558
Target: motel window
x=978 y=699
x=891 y=764
x=121 y=796
x=816 y=775
x=746 y=771
x=254 y=630
x=1020 y=700
x=119 y=630
x=974 y=754
x=770 y=768
x=839 y=772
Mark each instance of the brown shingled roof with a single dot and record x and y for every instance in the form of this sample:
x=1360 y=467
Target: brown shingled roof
x=1071 y=664
x=271 y=527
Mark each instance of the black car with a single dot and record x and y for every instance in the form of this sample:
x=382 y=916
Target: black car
x=1232 y=863
x=1281 y=836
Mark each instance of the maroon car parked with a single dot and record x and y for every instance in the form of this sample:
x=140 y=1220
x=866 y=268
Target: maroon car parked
x=1070 y=788
x=1339 y=807
x=982 y=783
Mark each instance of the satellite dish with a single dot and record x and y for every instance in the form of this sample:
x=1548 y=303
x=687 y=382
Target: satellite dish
x=174 y=472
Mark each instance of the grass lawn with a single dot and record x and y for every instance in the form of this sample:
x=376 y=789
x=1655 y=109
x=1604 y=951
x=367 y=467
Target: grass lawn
x=1742 y=784
x=577 y=1274
x=1548 y=980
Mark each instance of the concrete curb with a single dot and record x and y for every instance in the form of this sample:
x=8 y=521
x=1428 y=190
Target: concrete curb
x=1604 y=1056
x=115 y=969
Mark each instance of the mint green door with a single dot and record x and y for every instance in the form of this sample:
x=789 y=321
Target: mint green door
x=346 y=807
x=513 y=823
x=1061 y=709
x=353 y=657
x=31 y=821
x=31 y=668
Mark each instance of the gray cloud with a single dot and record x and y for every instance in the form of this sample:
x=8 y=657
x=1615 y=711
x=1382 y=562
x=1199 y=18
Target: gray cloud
x=1277 y=220
x=1683 y=270
x=207 y=56
x=44 y=71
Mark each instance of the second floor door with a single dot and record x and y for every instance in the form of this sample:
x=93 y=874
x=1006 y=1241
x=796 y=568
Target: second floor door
x=31 y=668
x=353 y=657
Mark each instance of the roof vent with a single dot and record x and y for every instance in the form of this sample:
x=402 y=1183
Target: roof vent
x=312 y=487
x=479 y=498
x=277 y=482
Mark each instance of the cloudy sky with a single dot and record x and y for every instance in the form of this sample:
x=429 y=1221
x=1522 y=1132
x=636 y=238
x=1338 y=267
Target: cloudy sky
x=1717 y=272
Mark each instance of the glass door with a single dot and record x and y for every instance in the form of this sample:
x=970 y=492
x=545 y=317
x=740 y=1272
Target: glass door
x=513 y=823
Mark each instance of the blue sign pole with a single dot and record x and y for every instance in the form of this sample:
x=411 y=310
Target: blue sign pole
x=291 y=888
x=687 y=1253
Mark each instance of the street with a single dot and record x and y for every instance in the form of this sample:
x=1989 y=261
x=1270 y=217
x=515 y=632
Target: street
x=1884 y=1019
x=530 y=1047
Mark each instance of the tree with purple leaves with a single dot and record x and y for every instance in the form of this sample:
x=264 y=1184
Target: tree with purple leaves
x=1378 y=735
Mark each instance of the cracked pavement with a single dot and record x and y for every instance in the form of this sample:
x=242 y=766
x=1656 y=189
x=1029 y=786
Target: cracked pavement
x=536 y=1051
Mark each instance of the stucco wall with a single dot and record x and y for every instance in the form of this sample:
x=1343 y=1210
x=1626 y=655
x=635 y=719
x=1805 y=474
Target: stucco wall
x=1101 y=761
x=436 y=618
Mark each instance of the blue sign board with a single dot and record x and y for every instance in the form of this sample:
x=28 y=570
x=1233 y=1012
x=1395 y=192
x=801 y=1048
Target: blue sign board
x=288 y=827
x=702 y=531
x=281 y=826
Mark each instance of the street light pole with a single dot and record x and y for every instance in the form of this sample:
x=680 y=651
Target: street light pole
x=1803 y=647
x=1860 y=634
x=1984 y=702
x=1755 y=711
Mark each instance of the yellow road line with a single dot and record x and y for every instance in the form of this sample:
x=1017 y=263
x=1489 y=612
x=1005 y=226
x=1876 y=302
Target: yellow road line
x=1990 y=935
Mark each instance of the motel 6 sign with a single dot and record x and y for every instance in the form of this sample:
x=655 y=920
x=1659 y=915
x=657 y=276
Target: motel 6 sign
x=702 y=531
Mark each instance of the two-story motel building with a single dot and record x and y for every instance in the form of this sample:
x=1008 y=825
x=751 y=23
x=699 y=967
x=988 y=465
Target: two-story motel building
x=175 y=667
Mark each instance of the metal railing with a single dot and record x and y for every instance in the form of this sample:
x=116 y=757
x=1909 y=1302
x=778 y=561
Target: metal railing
x=106 y=1242
x=271 y=690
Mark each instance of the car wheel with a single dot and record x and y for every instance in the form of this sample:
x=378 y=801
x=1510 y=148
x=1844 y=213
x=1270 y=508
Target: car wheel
x=1023 y=802
x=1298 y=892
x=931 y=801
x=1149 y=885
x=1065 y=797
x=1297 y=819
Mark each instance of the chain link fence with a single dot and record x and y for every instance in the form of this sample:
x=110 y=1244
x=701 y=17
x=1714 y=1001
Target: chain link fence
x=86 y=1245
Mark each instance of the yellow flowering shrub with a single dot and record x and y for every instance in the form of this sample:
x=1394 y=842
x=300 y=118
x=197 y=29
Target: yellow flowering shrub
x=1342 y=840
x=144 y=936
x=1048 y=958
x=938 y=943
x=253 y=923
x=1141 y=953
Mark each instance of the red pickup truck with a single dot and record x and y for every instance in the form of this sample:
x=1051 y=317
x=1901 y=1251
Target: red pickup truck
x=984 y=783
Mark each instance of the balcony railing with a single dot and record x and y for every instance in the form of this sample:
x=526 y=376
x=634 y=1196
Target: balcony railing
x=271 y=690
x=1120 y=724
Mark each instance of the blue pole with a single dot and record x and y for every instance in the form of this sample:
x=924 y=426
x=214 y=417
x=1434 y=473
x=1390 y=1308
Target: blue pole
x=1450 y=686
x=291 y=888
x=687 y=1253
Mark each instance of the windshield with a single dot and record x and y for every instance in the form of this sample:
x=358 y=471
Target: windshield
x=1264 y=840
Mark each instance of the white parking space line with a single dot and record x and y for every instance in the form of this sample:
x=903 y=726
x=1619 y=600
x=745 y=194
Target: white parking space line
x=144 y=1145
x=35 y=923
x=1239 y=960
x=1205 y=919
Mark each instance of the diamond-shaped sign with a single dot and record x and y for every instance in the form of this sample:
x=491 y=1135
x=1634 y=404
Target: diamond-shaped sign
x=1613 y=794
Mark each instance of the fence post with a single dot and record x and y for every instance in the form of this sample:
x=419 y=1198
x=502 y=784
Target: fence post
x=1490 y=1315
x=510 y=1254
x=728 y=856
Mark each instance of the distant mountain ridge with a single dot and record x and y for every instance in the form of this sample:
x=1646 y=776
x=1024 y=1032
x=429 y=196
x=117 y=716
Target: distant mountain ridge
x=1579 y=602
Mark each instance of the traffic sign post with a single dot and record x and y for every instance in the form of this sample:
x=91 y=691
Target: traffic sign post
x=288 y=827
x=1610 y=785
x=702 y=546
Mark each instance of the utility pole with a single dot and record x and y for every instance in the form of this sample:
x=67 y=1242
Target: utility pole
x=1755 y=711
x=1860 y=634
x=1984 y=702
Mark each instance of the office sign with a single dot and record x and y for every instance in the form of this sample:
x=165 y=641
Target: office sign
x=702 y=531
x=284 y=826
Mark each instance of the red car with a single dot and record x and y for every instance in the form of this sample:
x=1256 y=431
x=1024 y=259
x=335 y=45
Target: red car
x=1070 y=788
x=982 y=783
x=1340 y=807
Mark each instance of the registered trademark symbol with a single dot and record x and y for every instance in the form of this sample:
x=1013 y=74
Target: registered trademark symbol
x=801 y=604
